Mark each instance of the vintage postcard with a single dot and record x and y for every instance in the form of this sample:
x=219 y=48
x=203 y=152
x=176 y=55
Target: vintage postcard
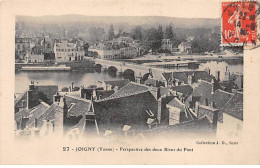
x=129 y=82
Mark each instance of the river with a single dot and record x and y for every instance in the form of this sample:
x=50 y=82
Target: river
x=64 y=79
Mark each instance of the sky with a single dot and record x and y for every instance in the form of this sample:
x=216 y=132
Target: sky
x=171 y=8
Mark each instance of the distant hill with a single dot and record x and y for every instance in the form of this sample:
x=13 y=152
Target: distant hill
x=145 y=21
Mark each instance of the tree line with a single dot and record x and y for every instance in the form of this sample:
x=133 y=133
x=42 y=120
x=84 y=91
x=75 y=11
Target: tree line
x=205 y=39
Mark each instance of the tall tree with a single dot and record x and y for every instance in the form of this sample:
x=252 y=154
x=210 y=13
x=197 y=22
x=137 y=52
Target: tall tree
x=137 y=33
x=160 y=31
x=152 y=39
x=95 y=34
x=111 y=33
x=169 y=32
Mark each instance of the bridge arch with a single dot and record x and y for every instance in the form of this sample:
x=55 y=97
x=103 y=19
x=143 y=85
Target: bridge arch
x=146 y=76
x=129 y=74
x=112 y=70
x=98 y=67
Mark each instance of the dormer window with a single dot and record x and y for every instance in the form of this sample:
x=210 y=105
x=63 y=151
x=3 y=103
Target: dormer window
x=70 y=106
x=149 y=112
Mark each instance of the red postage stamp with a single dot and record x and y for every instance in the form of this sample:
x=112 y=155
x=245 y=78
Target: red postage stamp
x=239 y=23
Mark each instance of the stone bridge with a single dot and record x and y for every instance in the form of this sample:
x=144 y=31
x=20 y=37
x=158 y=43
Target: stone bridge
x=137 y=71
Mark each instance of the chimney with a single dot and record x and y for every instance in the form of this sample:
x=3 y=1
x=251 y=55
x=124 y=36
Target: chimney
x=32 y=96
x=207 y=70
x=189 y=79
x=227 y=74
x=23 y=104
x=138 y=80
x=56 y=98
x=94 y=94
x=72 y=86
x=159 y=113
x=215 y=120
x=116 y=88
x=109 y=87
x=212 y=104
x=212 y=86
x=197 y=108
x=35 y=122
x=218 y=75
x=176 y=82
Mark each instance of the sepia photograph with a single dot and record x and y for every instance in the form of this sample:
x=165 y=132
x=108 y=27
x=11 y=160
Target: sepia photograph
x=143 y=82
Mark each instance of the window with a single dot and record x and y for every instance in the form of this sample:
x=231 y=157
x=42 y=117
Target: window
x=206 y=102
x=70 y=106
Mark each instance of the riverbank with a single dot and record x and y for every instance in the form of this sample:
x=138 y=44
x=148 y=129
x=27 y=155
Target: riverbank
x=86 y=66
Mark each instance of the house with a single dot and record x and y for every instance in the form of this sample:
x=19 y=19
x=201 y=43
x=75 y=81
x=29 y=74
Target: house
x=230 y=106
x=178 y=112
x=22 y=47
x=185 y=47
x=151 y=82
x=31 y=97
x=34 y=58
x=134 y=105
x=27 y=117
x=233 y=82
x=185 y=89
x=66 y=52
x=167 y=45
x=68 y=117
x=115 y=50
x=186 y=77
x=238 y=80
x=114 y=84
x=232 y=117
x=201 y=127
x=47 y=44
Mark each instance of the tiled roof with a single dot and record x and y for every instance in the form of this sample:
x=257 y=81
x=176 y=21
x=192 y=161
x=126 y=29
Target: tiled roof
x=151 y=81
x=192 y=124
x=234 y=106
x=178 y=75
x=128 y=90
x=77 y=112
x=236 y=75
x=119 y=83
x=183 y=76
x=204 y=89
x=202 y=125
x=18 y=100
x=220 y=98
x=202 y=75
x=48 y=114
x=164 y=90
x=46 y=92
x=65 y=44
x=36 y=112
x=19 y=115
x=104 y=93
x=127 y=110
x=188 y=115
x=185 y=89
x=177 y=103
x=80 y=106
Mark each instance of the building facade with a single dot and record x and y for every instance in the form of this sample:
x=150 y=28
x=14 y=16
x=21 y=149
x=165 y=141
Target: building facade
x=22 y=47
x=185 y=47
x=66 y=52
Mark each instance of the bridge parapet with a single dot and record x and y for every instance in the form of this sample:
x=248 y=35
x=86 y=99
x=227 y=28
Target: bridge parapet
x=138 y=69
